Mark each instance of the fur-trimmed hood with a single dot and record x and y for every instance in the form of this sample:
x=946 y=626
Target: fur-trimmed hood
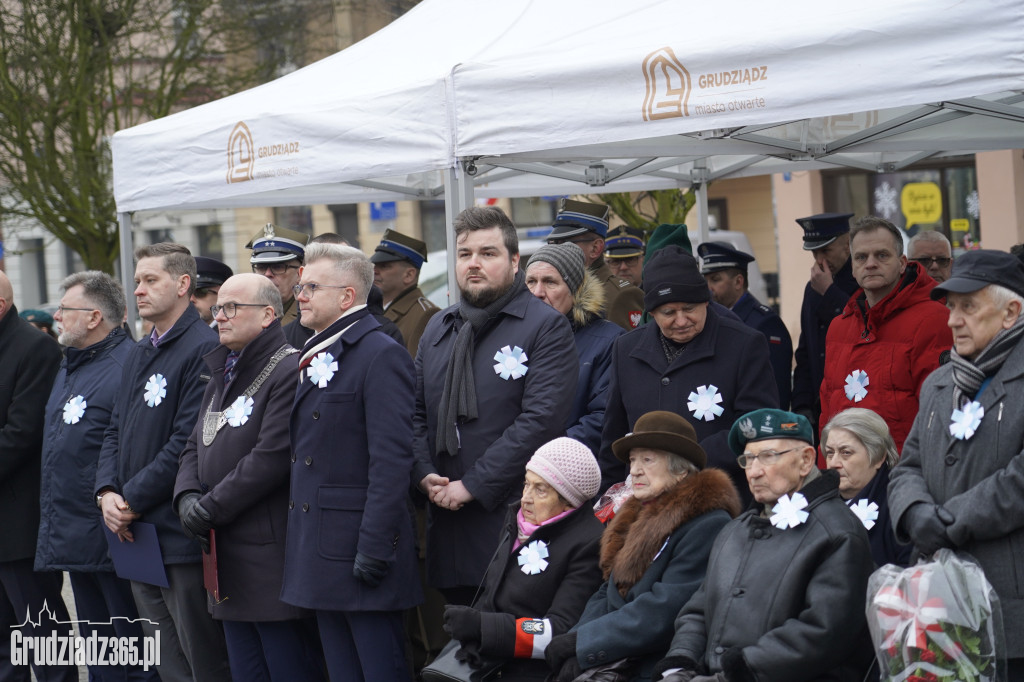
x=637 y=533
x=588 y=303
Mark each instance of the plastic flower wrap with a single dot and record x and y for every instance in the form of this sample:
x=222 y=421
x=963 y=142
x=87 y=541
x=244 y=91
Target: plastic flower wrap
x=937 y=621
x=612 y=499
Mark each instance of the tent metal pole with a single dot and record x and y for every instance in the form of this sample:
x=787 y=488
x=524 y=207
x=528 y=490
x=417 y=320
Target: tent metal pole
x=458 y=196
x=127 y=260
x=700 y=184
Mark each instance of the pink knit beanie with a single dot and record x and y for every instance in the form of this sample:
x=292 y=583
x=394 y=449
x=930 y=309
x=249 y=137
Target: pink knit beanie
x=569 y=467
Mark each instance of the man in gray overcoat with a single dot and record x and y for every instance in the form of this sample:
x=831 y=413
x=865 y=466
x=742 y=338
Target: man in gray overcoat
x=960 y=482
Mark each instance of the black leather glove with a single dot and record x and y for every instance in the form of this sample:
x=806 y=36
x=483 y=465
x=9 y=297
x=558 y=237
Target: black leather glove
x=368 y=570
x=185 y=503
x=570 y=671
x=462 y=623
x=926 y=525
x=469 y=653
x=195 y=519
x=560 y=650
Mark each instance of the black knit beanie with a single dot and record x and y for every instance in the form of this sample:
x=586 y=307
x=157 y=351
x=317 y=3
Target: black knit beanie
x=673 y=276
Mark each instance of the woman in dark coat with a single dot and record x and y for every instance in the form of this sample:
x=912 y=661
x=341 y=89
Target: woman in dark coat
x=545 y=567
x=857 y=443
x=654 y=552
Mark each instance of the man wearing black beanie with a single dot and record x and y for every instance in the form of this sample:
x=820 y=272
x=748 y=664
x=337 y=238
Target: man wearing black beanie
x=691 y=361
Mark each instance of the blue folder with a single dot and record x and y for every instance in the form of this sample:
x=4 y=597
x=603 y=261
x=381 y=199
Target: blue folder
x=140 y=560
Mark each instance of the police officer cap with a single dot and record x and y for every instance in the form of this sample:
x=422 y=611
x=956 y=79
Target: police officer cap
x=822 y=229
x=716 y=256
x=396 y=246
x=211 y=272
x=579 y=217
x=767 y=424
x=277 y=245
x=977 y=269
x=624 y=242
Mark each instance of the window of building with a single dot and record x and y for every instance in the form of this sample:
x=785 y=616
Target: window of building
x=298 y=218
x=211 y=241
x=432 y=223
x=531 y=212
x=160 y=236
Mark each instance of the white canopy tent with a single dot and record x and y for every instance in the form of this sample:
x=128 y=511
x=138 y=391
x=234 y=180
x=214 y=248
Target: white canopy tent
x=531 y=97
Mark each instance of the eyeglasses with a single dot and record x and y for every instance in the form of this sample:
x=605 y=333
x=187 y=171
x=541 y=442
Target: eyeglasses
x=308 y=290
x=275 y=268
x=927 y=262
x=765 y=457
x=62 y=309
x=202 y=292
x=231 y=309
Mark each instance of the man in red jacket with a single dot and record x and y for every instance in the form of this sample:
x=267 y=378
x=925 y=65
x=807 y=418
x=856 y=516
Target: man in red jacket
x=888 y=337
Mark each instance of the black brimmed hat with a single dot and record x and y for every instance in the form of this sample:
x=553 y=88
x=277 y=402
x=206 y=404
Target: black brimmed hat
x=716 y=256
x=277 y=245
x=822 y=229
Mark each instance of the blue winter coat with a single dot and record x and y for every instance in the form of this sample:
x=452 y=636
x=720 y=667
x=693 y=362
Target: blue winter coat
x=71 y=527
x=141 y=447
x=352 y=458
x=516 y=416
x=594 y=347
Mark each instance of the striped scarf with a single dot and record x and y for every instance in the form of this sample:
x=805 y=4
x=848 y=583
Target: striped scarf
x=969 y=375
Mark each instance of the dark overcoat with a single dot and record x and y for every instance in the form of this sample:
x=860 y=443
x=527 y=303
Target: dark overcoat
x=410 y=311
x=556 y=594
x=654 y=556
x=594 y=343
x=29 y=361
x=783 y=605
x=352 y=445
x=516 y=416
x=980 y=481
x=145 y=439
x=727 y=354
x=816 y=314
x=71 y=527
x=758 y=316
x=885 y=548
x=243 y=479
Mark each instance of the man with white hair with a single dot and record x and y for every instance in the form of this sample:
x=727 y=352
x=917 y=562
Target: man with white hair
x=932 y=251
x=350 y=552
x=960 y=482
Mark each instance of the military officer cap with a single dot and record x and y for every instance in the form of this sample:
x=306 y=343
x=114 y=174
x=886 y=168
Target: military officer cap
x=767 y=424
x=715 y=256
x=579 y=217
x=211 y=272
x=822 y=229
x=624 y=242
x=277 y=245
x=396 y=246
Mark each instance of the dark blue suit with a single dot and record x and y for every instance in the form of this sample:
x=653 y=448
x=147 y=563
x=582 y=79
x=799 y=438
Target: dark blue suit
x=351 y=465
x=755 y=314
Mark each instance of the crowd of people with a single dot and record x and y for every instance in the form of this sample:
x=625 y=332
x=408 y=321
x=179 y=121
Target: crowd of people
x=597 y=465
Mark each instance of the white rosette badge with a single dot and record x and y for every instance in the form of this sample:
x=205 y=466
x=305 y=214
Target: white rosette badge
x=239 y=411
x=857 y=385
x=74 y=409
x=705 y=403
x=866 y=511
x=965 y=422
x=156 y=390
x=533 y=557
x=510 y=363
x=789 y=512
x=321 y=369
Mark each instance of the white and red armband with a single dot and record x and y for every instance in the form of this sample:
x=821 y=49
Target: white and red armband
x=532 y=637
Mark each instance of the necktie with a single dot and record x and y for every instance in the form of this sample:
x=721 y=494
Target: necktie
x=229 y=367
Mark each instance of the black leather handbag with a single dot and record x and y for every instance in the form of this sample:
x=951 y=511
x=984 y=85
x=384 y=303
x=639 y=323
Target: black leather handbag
x=445 y=668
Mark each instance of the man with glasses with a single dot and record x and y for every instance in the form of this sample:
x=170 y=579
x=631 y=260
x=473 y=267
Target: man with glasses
x=28 y=363
x=624 y=251
x=786 y=582
x=210 y=274
x=932 y=251
x=77 y=415
x=277 y=254
x=586 y=225
x=233 y=480
x=350 y=548
x=156 y=406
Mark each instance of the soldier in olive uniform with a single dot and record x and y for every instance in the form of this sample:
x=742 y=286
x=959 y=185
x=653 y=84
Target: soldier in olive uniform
x=396 y=270
x=277 y=254
x=725 y=270
x=586 y=225
x=624 y=251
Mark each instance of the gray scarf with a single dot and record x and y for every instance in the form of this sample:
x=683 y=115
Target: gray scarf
x=458 y=400
x=969 y=375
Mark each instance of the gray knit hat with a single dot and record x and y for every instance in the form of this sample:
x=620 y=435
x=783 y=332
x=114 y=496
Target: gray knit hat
x=569 y=467
x=567 y=258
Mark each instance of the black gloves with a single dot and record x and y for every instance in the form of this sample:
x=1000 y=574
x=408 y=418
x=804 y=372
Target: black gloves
x=368 y=570
x=926 y=525
x=196 y=521
x=462 y=623
x=560 y=650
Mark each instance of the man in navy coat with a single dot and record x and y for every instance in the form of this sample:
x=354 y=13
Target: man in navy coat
x=496 y=377
x=725 y=269
x=350 y=551
x=157 y=405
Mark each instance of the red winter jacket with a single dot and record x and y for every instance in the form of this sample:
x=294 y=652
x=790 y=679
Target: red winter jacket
x=896 y=342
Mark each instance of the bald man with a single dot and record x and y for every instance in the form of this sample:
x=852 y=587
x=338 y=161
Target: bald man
x=30 y=363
